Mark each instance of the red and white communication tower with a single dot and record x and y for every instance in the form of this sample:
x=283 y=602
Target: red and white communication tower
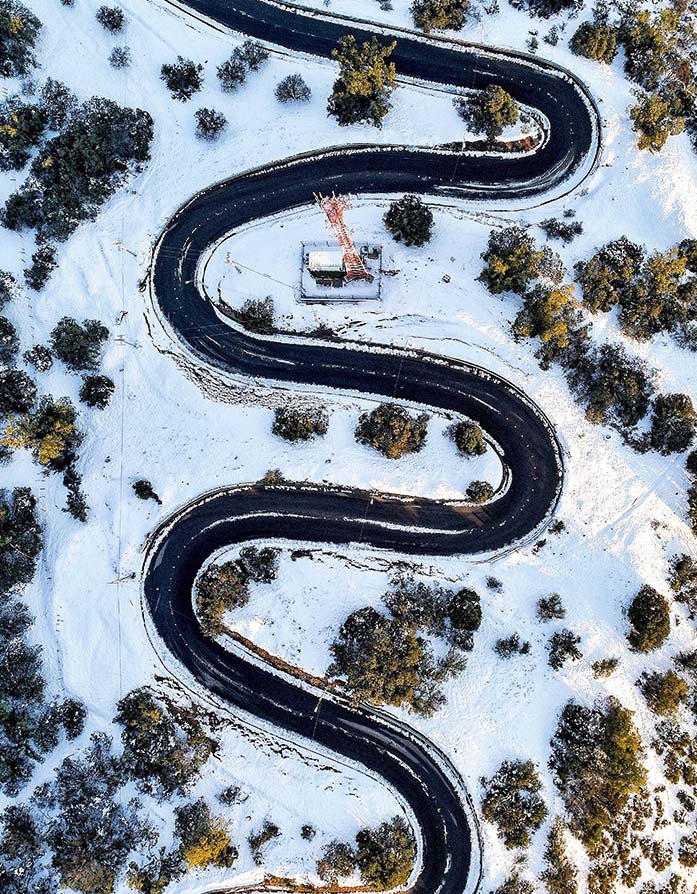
x=334 y=207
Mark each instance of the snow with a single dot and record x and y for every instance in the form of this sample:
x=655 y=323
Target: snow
x=624 y=513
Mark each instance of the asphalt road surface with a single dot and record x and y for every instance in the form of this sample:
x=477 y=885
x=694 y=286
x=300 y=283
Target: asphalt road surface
x=530 y=452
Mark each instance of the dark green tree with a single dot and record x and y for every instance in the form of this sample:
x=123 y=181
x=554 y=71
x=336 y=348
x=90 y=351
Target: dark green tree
x=183 y=78
x=649 y=616
x=595 y=40
x=19 y=32
x=392 y=430
x=385 y=855
x=409 y=220
x=438 y=15
x=672 y=423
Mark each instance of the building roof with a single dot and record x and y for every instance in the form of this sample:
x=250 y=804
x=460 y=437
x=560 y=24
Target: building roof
x=321 y=261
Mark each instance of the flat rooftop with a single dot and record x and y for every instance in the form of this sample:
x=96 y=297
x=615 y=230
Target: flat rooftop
x=327 y=256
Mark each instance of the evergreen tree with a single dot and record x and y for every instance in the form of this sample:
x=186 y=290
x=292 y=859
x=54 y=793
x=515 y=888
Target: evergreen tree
x=563 y=645
x=438 y=15
x=17 y=392
x=512 y=261
x=22 y=125
x=78 y=346
x=43 y=263
x=606 y=277
x=595 y=40
x=232 y=73
x=183 y=78
x=654 y=119
x=292 y=89
x=164 y=744
x=210 y=124
x=220 y=588
x=96 y=391
x=252 y=54
x=649 y=616
x=385 y=855
x=19 y=32
x=672 y=423
x=9 y=342
x=111 y=18
x=39 y=357
x=560 y=876
x=597 y=761
x=120 y=57
x=50 y=431
x=409 y=220
x=469 y=439
x=366 y=80
x=392 y=430
x=512 y=802
x=489 y=111
x=58 y=103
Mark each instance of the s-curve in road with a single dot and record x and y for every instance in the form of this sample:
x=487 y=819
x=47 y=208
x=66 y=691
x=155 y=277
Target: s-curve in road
x=418 y=772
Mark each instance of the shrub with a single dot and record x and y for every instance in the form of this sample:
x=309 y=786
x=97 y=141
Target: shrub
x=292 y=89
x=50 y=431
x=43 y=263
x=164 y=744
x=563 y=645
x=452 y=615
x=111 y=18
x=550 y=315
x=508 y=646
x=604 y=667
x=17 y=392
x=252 y=54
x=687 y=851
x=210 y=124
x=664 y=693
x=183 y=78
x=489 y=111
x=259 y=565
x=232 y=73
x=547 y=8
x=649 y=616
x=479 y=492
x=299 y=425
x=392 y=430
x=515 y=884
x=78 y=346
x=366 y=80
x=439 y=14
x=257 y=840
x=96 y=391
x=22 y=126
x=512 y=802
x=385 y=855
x=76 y=171
x=219 y=589
x=560 y=229
x=120 y=57
x=19 y=32
x=336 y=862
x=204 y=838
x=409 y=220
x=550 y=608
x=144 y=491
x=595 y=40
x=469 y=439
x=512 y=261
x=597 y=764
x=308 y=832
x=256 y=315
x=672 y=423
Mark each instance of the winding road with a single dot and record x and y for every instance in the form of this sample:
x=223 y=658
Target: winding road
x=418 y=772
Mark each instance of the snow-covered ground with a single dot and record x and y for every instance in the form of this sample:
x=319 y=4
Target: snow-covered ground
x=624 y=513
